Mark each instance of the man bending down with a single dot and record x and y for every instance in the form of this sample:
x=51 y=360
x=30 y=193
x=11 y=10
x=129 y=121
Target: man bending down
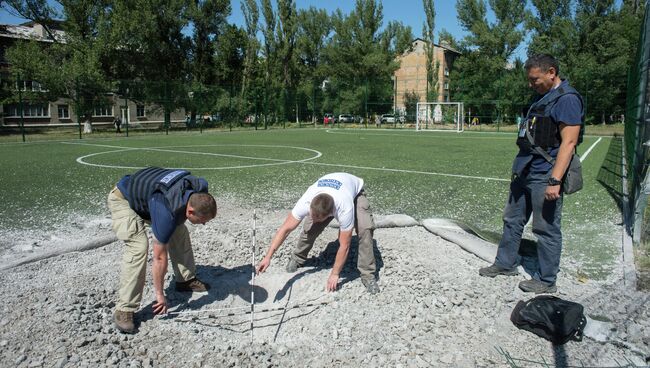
x=163 y=199
x=340 y=196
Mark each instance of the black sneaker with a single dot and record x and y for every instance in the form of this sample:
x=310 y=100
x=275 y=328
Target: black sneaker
x=292 y=266
x=537 y=287
x=371 y=285
x=193 y=286
x=494 y=271
x=124 y=321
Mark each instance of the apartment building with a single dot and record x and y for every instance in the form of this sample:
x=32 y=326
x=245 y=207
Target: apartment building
x=61 y=112
x=412 y=74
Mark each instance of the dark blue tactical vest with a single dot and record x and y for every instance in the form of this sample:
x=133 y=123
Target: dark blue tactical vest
x=171 y=183
x=544 y=131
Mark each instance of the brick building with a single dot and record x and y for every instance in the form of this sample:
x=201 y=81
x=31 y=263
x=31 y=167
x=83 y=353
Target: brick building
x=412 y=74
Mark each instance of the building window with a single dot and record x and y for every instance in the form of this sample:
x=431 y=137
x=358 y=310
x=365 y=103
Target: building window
x=139 y=111
x=446 y=72
x=103 y=111
x=64 y=113
x=446 y=86
x=30 y=86
x=30 y=110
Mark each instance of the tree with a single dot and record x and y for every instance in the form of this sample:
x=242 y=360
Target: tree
x=209 y=23
x=72 y=69
x=286 y=42
x=484 y=73
x=251 y=16
x=358 y=67
x=270 y=59
x=411 y=99
x=428 y=32
x=552 y=27
x=397 y=38
x=314 y=28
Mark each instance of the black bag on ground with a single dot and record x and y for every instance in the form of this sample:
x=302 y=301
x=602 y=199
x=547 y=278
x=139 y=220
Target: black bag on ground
x=552 y=318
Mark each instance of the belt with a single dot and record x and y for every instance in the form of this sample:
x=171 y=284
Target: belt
x=117 y=193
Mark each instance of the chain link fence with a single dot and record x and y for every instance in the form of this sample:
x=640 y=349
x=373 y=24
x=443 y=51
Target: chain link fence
x=637 y=135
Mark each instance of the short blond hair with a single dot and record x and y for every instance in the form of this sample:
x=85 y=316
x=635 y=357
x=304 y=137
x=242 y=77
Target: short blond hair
x=322 y=205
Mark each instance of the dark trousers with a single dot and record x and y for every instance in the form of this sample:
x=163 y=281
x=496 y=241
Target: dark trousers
x=527 y=197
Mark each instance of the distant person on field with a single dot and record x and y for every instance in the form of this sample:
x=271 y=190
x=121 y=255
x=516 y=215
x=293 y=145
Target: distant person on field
x=378 y=121
x=555 y=120
x=162 y=199
x=340 y=196
x=118 y=123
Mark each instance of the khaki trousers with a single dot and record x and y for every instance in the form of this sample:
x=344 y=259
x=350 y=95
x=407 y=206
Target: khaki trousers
x=364 y=226
x=130 y=228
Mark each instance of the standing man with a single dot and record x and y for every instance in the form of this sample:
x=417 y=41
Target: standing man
x=163 y=199
x=118 y=123
x=340 y=196
x=554 y=123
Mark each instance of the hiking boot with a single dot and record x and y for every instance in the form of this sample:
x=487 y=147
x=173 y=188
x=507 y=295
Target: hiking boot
x=193 y=286
x=494 y=271
x=292 y=266
x=124 y=321
x=371 y=285
x=537 y=287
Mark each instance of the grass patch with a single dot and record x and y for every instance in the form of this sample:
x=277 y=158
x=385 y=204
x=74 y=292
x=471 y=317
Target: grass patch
x=434 y=174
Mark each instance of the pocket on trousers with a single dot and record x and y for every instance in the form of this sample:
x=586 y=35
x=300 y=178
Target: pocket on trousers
x=126 y=227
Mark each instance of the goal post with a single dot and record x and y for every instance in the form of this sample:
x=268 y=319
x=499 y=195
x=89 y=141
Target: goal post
x=437 y=116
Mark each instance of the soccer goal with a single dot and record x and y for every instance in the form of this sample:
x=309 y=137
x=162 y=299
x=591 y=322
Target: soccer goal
x=437 y=116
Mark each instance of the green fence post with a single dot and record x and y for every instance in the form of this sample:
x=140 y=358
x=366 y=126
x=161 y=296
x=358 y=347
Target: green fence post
x=167 y=107
x=79 y=112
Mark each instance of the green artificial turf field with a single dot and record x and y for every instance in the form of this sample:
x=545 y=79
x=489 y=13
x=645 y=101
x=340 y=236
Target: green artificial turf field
x=462 y=176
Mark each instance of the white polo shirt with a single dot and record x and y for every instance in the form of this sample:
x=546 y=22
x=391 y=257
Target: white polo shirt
x=343 y=187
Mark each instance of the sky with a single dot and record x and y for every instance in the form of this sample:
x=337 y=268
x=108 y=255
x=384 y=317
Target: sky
x=409 y=12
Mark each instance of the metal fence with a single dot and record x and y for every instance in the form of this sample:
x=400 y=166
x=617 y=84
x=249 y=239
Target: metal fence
x=637 y=134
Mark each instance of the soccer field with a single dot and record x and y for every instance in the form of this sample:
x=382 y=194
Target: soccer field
x=461 y=176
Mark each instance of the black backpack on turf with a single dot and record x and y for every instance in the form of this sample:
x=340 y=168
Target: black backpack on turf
x=552 y=318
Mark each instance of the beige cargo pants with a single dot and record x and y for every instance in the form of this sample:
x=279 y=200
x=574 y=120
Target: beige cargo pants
x=130 y=228
x=364 y=225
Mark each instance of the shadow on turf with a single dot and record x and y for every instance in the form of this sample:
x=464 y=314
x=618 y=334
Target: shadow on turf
x=609 y=175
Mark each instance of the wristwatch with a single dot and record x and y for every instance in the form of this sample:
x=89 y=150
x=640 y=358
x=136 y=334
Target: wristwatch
x=552 y=181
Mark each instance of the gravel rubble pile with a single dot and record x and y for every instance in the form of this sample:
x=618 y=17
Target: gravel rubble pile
x=434 y=308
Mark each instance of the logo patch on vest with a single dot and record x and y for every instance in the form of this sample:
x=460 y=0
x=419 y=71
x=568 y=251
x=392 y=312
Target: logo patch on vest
x=330 y=183
x=171 y=176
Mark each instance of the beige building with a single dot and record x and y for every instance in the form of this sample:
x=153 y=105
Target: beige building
x=412 y=74
x=61 y=112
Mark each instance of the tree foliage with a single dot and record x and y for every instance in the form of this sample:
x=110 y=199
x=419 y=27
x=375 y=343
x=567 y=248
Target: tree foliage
x=286 y=64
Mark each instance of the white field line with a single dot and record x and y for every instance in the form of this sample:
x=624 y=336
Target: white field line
x=196 y=153
x=447 y=134
x=276 y=162
x=584 y=155
x=409 y=171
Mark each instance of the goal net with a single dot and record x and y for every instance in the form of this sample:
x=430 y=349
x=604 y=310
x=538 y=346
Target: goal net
x=436 y=116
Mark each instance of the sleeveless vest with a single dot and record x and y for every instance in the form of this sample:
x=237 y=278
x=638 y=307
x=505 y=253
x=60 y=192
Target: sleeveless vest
x=546 y=132
x=171 y=183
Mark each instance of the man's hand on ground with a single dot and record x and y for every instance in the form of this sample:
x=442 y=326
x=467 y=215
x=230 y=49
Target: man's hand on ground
x=263 y=265
x=160 y=306
x=332 y=282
